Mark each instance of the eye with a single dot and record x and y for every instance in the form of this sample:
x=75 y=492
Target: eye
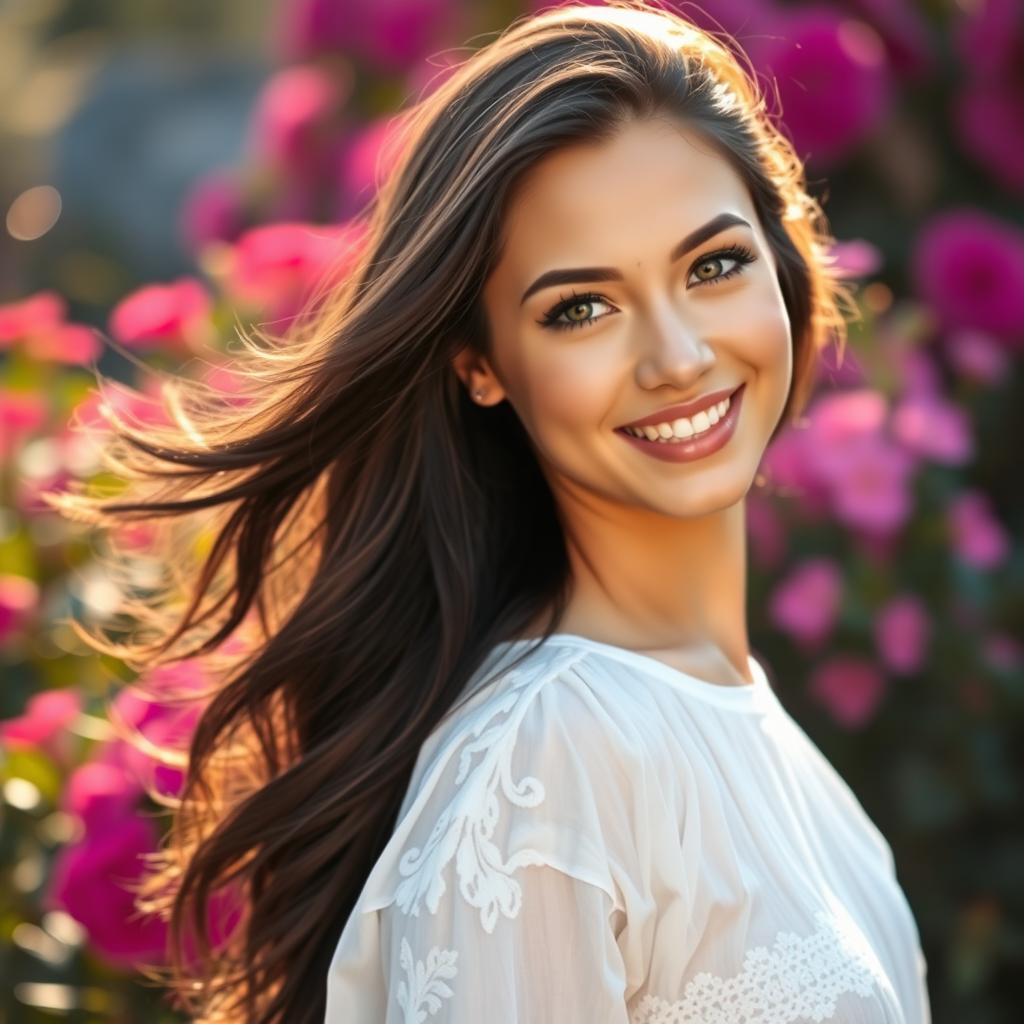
x=738 y=255
x=575 y=307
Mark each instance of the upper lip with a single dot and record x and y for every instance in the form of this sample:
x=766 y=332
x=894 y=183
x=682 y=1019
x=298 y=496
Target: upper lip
x=687 y=409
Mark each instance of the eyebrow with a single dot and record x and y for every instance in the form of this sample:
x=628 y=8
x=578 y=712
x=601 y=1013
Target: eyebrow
x=579 y=275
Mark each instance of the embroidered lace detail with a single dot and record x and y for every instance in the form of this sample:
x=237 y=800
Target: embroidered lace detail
x=425 y=984
x=465 y=828
x=798 y=979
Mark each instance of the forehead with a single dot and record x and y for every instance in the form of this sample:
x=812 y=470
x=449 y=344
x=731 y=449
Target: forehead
x=640 y=190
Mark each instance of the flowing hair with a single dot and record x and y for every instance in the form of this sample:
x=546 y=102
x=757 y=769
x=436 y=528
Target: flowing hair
x=371 y=532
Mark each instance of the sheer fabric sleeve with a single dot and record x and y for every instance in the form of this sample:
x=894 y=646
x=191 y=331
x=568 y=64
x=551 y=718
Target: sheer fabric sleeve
x=556 y=960
x=506 y=892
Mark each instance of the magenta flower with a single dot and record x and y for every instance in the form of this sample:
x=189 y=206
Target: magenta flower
x=977 y=356
x=832 y=77
x=292 y=125
x=766 y=531
x=969 y=266
x=100 y=794
x=850 y=688
x=806 y=603
x=46 y=717
x=871 y=486
x=19 y=598
x=979 y=539
x=213 y=211
x=158 y=315
x=933 y=428
x=277 y=267
x=905 y=33
x=988 y=115
x=91 y=880
x=987 y=36
x=902 y=631
x=394 y=34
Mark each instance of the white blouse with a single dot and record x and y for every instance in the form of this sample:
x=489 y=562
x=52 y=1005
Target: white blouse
x=595 y=837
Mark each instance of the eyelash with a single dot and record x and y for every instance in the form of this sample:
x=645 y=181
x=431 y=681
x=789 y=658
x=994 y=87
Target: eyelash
x=740 y=253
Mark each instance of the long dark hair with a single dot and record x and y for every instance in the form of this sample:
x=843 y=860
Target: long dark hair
x=374 y=532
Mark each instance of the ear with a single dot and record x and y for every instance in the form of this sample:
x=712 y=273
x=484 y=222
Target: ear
x=476 y=374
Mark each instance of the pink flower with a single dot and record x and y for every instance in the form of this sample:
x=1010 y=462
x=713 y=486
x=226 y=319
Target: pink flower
x=367 y=158
x=100 y=794
x=19 y=597
x=292 y=123
x=969 y=266
x=788 y=472
x=278 y=266
x=807 y=602
x=979 y=540
x=46 y=716
x=849 y=687
x=832 y=79
x=38 y=323
x=977 y=356
x=843 y=416
x=21 y=413
x=902 y=631
x=168 y=721
x=988 y=115
x=213 y=211
x=175 y=314
x=933 y=428
x=137 y=407
x=70 y=344
x=37 y=314
x=871 y=488
x=866 y=475
x=394 y=34
x=856 y=258
x=91 y=880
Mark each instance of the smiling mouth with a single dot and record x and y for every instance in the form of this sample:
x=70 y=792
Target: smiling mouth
x=684 y=428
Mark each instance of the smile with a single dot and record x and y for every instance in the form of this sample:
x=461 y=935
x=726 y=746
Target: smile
x=687 y=438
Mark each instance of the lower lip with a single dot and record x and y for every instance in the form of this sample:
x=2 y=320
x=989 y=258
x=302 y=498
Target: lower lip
x=695 y=447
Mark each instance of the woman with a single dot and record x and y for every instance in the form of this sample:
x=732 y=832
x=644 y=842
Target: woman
x=511 y=757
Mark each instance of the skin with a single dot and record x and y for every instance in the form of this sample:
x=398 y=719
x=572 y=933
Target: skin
x=657 y=549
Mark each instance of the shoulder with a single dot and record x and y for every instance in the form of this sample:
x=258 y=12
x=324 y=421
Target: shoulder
x=536 y=768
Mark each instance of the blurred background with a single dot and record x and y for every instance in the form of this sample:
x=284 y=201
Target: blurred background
x=174 y=169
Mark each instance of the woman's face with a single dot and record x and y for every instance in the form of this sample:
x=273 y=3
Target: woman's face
x=583 y=355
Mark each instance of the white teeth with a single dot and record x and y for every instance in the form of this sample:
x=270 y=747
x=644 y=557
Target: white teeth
x=683 y=427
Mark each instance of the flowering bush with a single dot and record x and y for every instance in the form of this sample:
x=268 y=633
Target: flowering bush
x=884 y=528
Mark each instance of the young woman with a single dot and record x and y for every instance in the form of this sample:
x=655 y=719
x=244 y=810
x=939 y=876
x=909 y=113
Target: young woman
x=507 y=755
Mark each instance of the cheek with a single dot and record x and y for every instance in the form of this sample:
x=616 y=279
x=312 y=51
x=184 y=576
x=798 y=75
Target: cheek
x=760 y=321
x=571 y=382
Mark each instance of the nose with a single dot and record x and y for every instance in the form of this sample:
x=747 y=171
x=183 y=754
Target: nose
x=674 y=352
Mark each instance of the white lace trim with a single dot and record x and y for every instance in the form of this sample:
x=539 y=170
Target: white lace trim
x=465 y=828
x=425 y=984
x=798 y=979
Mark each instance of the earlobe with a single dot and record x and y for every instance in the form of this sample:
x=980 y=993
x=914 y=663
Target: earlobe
x=477 y=377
